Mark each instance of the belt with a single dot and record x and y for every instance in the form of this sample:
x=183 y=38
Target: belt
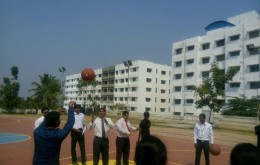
x=100 y=138
x=203 y=140
x=122 y=137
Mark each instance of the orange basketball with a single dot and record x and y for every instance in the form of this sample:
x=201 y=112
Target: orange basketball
x=215 y=149
x=88 y=74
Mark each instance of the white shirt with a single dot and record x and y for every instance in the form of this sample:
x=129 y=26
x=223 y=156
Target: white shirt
x=79 y=120
x=203 y=132
x=122 y=130
x=38 y=122
x=97 y=125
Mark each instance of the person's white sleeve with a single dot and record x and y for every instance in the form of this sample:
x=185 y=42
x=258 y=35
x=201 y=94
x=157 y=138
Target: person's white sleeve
x=195 y=133
x=211 y=134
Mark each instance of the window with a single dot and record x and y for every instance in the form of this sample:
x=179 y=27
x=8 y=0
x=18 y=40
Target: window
x=190 y=74
x=255 y=85
x=147 y=109
x=163 y=91
x=234 y=85
x=148 y=89
x=133 y=99
x=205 y=46
x=205 y=74
x=234 y=53
x=178 y=51
x=235 y=67
x=177 y=76
x=205 y=60
x=148 y=80
x=133 y=88
x=254 y=68
x=163 y=100
x=253 y=34
x=189 y=88
x=190 y=61
x=163 y=72
x=190 y=48
x=177 y=88
x=163 y=82
x=189 y=101
x=147 y=99
x=234 y=38
x=178 y=64
x=177 y=101
x=220 y=57
x=254 y=51
x=149 y=70
x=220 y=42
x=122 y=80
x=134 y=79
x=134 y=69
x=162 y=109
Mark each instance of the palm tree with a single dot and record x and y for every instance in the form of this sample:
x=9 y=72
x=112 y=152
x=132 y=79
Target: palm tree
x=47 y=90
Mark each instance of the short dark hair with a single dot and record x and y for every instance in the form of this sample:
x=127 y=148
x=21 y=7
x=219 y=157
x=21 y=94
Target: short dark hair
x=44 y=108
x=146 y=114
x=52 y=118
x=77 y=106
x=150 y=150
x=125 y=113
x=244 y=154
x=203 y=115
x=102 y=109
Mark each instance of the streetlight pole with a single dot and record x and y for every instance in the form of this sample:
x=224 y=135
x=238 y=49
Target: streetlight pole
x=128 y=64
x=62 y=70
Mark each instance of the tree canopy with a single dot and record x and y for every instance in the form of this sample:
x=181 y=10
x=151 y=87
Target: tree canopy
x=46 y=92
x=9 y=91
x=213 y=86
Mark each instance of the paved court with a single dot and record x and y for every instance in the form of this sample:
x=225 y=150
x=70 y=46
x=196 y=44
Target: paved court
x=179 y=143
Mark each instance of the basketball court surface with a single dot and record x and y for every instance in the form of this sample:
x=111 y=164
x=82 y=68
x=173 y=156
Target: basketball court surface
x=17 y=145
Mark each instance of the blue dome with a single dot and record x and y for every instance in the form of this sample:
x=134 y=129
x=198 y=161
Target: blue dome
x=218 y=24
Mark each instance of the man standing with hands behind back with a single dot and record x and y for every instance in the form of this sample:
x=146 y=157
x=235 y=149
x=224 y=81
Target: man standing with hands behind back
x=101 y=127
x=203 y=136
x=77 y=135
x=124 y=129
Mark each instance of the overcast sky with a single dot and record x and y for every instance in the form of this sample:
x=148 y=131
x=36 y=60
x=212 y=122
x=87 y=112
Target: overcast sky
x=39 y=36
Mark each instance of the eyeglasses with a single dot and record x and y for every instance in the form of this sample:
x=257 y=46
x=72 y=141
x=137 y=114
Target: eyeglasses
x=45 y=113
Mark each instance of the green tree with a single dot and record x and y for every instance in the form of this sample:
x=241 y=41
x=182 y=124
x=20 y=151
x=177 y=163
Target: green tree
x=118 y=108
x=242 y=107
x=93 y=99
x=213 y=87
x=9 y=91
x=46 y=93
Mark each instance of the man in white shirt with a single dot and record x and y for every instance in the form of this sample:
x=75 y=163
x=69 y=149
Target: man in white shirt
x=77 y=135
x=38 y=122
x=124 y=129
x=203 y=137
x=101 y=126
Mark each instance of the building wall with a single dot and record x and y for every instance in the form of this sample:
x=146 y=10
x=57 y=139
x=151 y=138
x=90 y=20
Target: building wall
x=149 y=87
x=247 y=27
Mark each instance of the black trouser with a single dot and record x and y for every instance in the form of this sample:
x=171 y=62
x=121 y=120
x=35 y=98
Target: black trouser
x=205 y=146
x=100 y=145
x=77 y=137
x=122 y=147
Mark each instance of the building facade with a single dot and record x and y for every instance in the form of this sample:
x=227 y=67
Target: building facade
x=231 y=43
x=140 y=85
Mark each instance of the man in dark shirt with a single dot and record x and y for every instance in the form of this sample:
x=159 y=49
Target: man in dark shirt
x=48 y=137
x=257 y=132
x=144 y=126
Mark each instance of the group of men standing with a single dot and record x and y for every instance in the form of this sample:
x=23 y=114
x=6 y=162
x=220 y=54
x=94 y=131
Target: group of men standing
x=76 y=125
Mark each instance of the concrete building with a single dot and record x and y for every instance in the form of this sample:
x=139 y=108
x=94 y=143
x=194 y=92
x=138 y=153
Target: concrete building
x=148 y=88
x=232 y=43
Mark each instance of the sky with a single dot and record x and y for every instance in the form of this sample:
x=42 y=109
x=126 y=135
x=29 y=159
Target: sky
x=40 y=36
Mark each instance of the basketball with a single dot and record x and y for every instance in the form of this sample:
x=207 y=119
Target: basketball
x=88 y=74
x=215 y=149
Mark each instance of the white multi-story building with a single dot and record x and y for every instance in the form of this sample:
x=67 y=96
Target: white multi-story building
x=231 y=43
x=148 y=88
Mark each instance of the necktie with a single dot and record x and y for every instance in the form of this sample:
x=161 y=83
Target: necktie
x=127 y=126
x=103 y=128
